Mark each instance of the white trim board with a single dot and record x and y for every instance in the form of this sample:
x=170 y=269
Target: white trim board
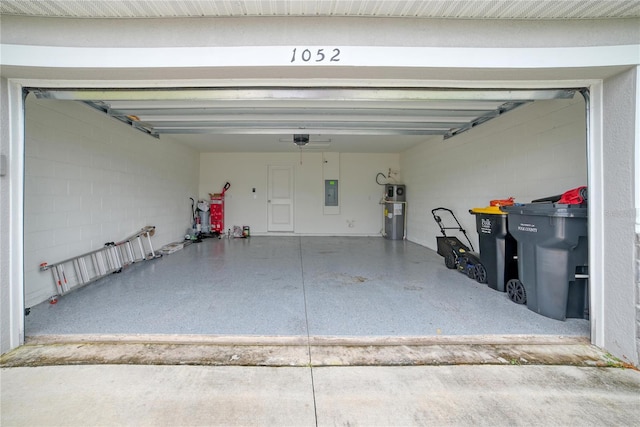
x=319 y=56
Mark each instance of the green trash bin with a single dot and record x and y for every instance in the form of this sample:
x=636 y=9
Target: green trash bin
x=498 y=248
x=553 y=256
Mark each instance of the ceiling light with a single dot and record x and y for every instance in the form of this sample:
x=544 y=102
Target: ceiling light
x=301 y=139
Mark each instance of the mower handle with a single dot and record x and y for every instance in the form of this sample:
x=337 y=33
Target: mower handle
x=443 y=228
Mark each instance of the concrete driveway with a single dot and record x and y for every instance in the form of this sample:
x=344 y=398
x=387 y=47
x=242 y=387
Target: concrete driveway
x=278 y=381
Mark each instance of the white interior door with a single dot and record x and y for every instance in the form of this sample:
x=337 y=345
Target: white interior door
x=280 y=198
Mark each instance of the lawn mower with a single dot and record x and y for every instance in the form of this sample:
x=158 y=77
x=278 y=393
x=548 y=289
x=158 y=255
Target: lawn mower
x=456 y=254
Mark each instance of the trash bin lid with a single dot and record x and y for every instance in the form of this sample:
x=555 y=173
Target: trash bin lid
x=548 y=209
x=492 y=210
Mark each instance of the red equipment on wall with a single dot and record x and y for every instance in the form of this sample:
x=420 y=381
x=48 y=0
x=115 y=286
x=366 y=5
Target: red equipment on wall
x=216 y=210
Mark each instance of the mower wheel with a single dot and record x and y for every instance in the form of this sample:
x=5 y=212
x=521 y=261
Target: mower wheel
x=481 y=273
x=516 y=291
x=471 y=272
x=450 y=262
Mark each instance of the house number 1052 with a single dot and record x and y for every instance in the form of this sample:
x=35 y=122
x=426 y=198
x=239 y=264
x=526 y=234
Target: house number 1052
x=319 y=55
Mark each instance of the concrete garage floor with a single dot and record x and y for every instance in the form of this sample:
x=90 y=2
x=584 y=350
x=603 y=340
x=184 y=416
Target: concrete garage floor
x=293 y=286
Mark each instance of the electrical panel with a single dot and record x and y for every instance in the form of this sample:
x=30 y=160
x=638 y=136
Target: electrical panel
x=331 y=192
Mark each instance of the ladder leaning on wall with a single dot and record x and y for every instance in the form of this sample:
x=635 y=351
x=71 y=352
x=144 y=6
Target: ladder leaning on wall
x=83 y=269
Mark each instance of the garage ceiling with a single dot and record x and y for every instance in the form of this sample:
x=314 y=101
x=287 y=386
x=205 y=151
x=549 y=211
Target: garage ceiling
x=346 y=120
x=460 y=9
x=334 y=119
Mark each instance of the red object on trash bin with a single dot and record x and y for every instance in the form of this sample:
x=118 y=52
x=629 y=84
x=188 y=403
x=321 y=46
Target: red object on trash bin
x=575 y=196
x=503 y=202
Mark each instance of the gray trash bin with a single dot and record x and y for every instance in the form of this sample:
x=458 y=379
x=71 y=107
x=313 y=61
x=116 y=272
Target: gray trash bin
x=498 y=248
x=552 y=249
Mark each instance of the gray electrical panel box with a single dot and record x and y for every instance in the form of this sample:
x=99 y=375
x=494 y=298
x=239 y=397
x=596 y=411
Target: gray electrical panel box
x=331 y=192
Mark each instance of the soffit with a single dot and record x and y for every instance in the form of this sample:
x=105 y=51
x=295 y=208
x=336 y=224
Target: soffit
x=456 y=9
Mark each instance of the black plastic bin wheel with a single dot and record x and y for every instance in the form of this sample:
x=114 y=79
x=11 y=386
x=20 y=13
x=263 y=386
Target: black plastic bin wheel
x=516 y=292
x=480 y=273
x=450 y=262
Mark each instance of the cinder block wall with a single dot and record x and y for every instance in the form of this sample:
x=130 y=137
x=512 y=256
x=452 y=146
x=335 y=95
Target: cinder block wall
x=534 y=151
x=360 y=212
x=90 y=179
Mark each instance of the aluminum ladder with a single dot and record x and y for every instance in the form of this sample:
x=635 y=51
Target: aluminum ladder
x=83 y=269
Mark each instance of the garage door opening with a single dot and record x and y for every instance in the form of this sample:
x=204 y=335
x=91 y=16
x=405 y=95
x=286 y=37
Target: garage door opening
x=90 y=179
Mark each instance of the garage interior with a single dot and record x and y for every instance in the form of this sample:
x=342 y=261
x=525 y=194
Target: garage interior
x=101 y=164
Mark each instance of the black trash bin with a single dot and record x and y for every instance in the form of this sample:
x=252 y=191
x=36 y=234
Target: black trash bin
x=553 y=257
x=498 y=248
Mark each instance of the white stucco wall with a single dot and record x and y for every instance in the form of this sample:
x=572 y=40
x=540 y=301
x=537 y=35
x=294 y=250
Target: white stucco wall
x=286 y=31
x=89 y=180
x=5 y=219
x=620 y=257
x=11 y=218
x=325 y=32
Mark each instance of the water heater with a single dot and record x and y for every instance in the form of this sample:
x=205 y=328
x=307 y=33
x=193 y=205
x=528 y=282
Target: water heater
x=395 y=211
x=395 y=193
